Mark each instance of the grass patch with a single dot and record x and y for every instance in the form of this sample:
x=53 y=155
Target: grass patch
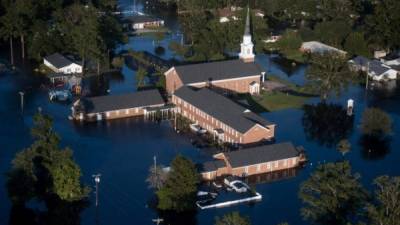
x=274 y=101
x=295 y=97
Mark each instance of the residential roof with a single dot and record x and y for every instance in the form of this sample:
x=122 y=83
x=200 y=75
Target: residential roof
x=212 y=165
x=221 y=108
x=377 y=67
x=142 y=19
x=124 y=101
x=58 y=60
x=318 y=47
x=360 y=61
x=219 y=70
x=261 y=154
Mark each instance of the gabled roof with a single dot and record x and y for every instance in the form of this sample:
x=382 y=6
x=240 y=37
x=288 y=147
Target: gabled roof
x=212 y=166
x=360 y=61
x=221 y=108
x=377 y=67
x=261 y=154
x=59 y=61
x=221 y=70
x=124 y=101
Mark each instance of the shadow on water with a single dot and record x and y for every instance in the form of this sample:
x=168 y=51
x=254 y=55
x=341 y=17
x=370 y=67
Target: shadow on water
x=326 y=123
x=58 y=213
x=287 y=65
x=374 y=148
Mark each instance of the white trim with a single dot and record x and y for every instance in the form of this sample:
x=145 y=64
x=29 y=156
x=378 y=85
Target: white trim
x=258 y=126
x=224 y=80
x=168 y=71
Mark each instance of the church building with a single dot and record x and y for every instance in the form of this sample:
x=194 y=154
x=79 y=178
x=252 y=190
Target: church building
x=242 y=75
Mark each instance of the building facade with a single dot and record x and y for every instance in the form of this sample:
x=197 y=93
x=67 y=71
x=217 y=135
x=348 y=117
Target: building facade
x=237 y=76
x=224 y=119
x=253 y=161
x=117 y=106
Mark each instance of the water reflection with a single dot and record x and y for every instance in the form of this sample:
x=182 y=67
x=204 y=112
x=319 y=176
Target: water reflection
x=272 y=177
x=58 y=213
x=326 y=123
x=374 y=148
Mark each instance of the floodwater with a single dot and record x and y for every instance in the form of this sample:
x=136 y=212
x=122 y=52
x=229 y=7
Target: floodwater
x=123 y=150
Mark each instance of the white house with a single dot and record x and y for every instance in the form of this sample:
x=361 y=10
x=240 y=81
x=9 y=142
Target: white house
x=376 y=70
x=318 y=47
x=60 y=64
x=142 y=22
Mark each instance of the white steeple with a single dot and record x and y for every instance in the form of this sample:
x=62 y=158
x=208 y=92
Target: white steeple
x=246 y=47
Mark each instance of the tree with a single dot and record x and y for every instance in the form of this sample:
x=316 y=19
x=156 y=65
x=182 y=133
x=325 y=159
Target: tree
x=157 y=177
x=233 y=218
x=384 y=24
x=385 y=209
x=9 y=27
x=357 y=45
x=329 y=72
x=179 y=192
x=344 y=146
x=376 y=123
x=332 y=195
x=332 y=32
x=49 y=171
x=141 y=74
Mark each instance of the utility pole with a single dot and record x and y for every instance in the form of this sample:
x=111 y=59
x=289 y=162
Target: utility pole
x=21 y=93
x=158 y=221
x=97 y=181
x=366 y=83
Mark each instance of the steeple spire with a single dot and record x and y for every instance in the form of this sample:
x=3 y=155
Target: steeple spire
x=246 y=47
x=247 y=28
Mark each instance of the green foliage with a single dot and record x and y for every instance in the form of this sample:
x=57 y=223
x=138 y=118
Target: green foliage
x=332 y=195
x=386 y=205
x=179 y=191
x=376 y=122
x=357 y=45
x=332 y=32
x=343 y=146
x=118 y=62
x=46 y=169
x=140 y=76
x=290 y=43
x=233 y=218
x=328 y=73
x=384 y=23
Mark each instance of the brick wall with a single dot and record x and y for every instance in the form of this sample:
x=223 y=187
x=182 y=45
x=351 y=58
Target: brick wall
x=172 y=81
x=234 y=85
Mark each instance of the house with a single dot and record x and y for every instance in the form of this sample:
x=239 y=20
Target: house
x=227 y=121
x=378 y=54
x=226 y=14
x=61 y=64
x=140 y=22
x=258 y=13
x=117 y=106
x=320 y=48
x=252 y=161
x=377 y=70
x=236 y=76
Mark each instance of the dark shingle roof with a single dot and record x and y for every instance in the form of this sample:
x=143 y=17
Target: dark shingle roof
x=124 y=101
x=361 y=61
x=377 y=67
x=58 y=60
x=212 y=165
x=220 y=70
x=261 y=154
x=221 y=108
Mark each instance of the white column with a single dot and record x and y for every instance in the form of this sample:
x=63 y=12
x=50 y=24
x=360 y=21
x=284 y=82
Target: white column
x=263 y=76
